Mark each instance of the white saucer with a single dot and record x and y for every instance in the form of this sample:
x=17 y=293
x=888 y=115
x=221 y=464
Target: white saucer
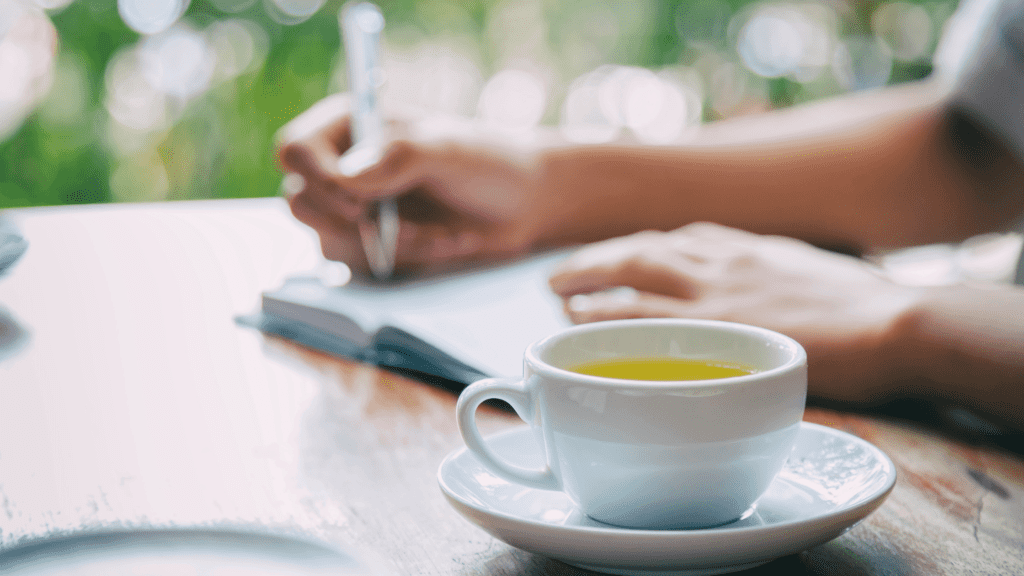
x=831 y=481
x=180 y=552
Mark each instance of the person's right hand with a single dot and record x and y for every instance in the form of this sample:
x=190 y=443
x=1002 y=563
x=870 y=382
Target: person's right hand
x=460 y=197
x=854 y=322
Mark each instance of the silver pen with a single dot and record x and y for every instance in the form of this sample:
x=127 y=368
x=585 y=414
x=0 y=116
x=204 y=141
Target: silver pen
x=361 y=26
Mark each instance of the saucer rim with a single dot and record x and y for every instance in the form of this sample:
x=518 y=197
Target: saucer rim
x=693 y=549
x=61 y=550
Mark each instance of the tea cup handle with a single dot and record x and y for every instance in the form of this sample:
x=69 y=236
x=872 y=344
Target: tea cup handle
x=513 y=391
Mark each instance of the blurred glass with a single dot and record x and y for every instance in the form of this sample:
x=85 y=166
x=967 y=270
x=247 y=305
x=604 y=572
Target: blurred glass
x=142 y=100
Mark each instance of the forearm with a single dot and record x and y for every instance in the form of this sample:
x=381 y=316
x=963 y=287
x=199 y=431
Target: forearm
x=868 y=172
x=966 y=344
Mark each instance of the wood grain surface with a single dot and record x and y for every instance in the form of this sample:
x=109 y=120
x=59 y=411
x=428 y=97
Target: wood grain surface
x=129 y=397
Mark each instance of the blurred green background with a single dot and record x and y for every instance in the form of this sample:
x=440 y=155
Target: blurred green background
x=144 y=100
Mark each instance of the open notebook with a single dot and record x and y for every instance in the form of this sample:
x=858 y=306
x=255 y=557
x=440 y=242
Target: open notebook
x=459 y=327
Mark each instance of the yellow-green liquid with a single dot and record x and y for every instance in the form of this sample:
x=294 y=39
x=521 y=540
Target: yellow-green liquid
x=662 y=369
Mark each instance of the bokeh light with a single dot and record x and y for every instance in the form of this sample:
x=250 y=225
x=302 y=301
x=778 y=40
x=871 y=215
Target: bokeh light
x=583 y=117
x=862 y=62
x=437 y=76
x=905 y=28
x=656 y=108
x=52 y=4
x=130 y=99
x=232 y=6
x=518 y=30
x=513 y=100
x=68 y=100
x=151 y=16
x=591 y=36
x=177 y=63
x=788 y=40
x=27 y=43
x=239 y=46
x=291 y=12
x=167 y=99
x=731 y=89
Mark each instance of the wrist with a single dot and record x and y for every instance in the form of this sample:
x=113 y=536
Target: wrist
x=969 y=337
x=559 y=210
x=953 y=344
x=588 y=193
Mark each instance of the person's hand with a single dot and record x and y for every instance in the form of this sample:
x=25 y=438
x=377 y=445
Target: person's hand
x=846 y=315
x=460 y=196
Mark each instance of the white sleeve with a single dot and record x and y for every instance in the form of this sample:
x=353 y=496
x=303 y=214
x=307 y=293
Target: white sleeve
x=981 y=56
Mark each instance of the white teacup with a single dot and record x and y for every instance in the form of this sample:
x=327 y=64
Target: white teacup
x=651 y=453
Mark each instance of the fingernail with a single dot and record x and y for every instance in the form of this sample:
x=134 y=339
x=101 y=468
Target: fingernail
x=581 y=303
x=620 y=295
x=358 y=159
x=292 y=184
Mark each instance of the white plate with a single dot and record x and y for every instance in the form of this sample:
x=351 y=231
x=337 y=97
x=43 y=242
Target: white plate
x=831 y=481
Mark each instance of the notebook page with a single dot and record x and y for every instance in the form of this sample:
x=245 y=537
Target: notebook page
x=485 y=318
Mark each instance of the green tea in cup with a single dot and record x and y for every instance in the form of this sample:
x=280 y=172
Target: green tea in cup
x=663 y=368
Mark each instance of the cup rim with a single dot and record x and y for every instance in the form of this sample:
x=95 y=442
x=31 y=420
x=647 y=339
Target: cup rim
x=532 y=355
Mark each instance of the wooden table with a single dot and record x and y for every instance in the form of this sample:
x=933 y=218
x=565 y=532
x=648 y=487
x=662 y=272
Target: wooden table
x=130 y=397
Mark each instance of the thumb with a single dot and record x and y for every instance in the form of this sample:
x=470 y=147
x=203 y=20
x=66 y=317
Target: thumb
x=371 y=174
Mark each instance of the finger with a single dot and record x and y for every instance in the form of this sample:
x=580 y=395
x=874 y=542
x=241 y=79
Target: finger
x=323 y=114
x=619 y=304
x=291 y=184
x=339 y=237
x=420 y=249
x=712 y=231
x=326 y=195
x=305 y=210
x=400 y=168
x=725 y=243
x=422 y=246
x=579 y=272
x=644 y=268
x=344 y=245
x=313 y=142
x=616 y=304
x=316 y=155
x=310 y=144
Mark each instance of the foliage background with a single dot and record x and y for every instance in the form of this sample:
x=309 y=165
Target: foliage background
x=218 y=142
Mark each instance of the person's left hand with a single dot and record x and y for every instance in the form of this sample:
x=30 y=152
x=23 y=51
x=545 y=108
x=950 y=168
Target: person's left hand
x=841 y=309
